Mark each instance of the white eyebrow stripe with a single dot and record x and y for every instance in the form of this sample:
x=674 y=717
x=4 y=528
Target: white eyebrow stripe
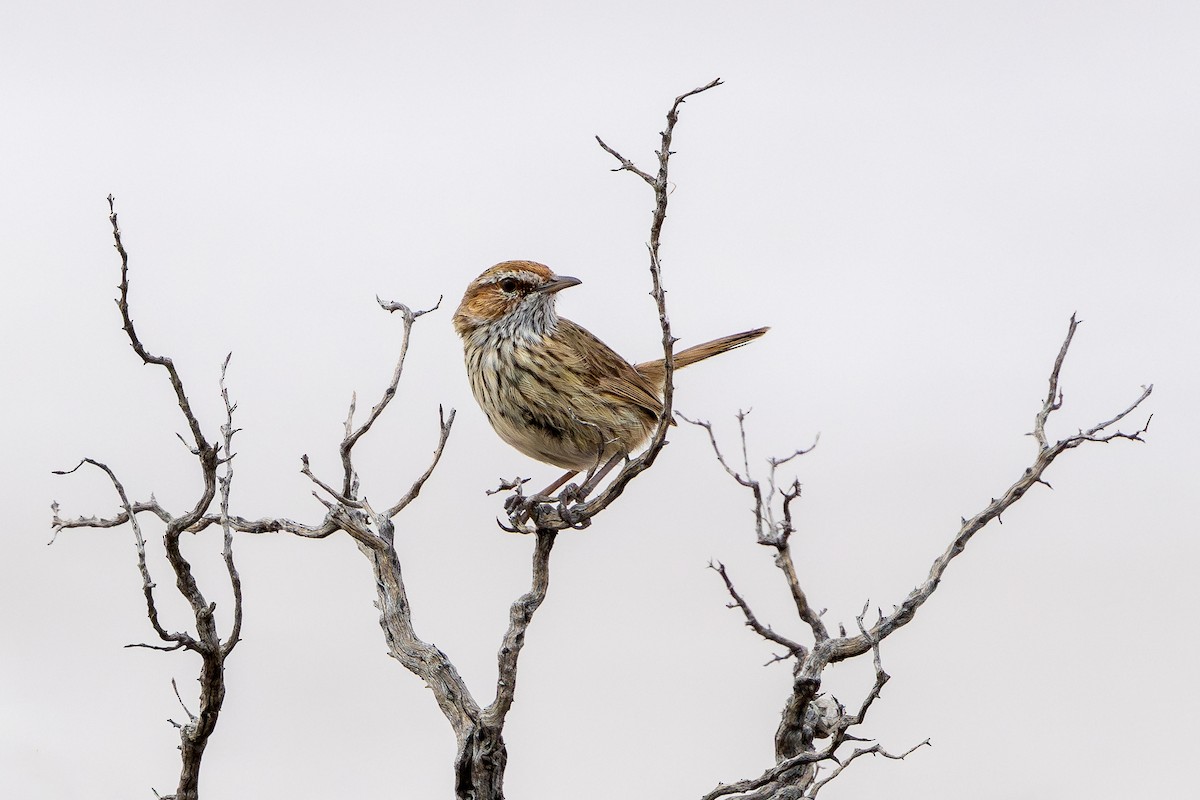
x=523 y=277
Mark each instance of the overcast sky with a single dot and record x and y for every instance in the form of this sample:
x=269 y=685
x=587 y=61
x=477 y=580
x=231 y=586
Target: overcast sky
x=915 y=196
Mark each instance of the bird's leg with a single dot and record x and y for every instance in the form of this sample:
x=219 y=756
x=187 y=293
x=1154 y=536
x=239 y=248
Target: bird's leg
x=576 y=494
x=558 y=483
x=594 y=479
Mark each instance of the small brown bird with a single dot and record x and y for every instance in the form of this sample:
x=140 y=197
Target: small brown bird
x=550 y=388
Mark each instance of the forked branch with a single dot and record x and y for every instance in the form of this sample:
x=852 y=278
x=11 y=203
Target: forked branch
x=127 y=324
x=128 y=514
x=206 y=641
x=797 y=756
x=353 y=435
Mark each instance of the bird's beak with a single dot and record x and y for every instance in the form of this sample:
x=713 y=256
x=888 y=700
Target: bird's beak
x=559 y=283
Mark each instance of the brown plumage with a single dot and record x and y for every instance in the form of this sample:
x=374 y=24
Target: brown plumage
x=549 y=387
x=653 y=370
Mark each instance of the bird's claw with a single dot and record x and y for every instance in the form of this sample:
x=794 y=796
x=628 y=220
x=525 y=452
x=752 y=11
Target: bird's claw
x=571 y=517
x=520 y=511
x=516 y=527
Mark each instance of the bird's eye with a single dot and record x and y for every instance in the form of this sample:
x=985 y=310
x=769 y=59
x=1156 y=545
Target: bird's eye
x=508 y=285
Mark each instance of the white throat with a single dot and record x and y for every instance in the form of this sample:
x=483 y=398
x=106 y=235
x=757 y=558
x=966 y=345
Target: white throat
x=527 y=325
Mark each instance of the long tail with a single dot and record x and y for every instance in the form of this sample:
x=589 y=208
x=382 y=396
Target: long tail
x=654 y=370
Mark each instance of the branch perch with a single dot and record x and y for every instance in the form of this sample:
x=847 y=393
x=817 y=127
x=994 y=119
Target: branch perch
x=566 y=511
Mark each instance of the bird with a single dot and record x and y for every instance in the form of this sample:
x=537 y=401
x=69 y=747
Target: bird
x=549 y=387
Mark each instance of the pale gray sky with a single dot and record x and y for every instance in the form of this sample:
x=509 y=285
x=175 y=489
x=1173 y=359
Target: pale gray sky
x=915 y=196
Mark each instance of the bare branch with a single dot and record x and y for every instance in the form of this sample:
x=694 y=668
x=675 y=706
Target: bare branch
x=519 y=616
x=782 y=770
x=346 y=498
x=268 y=525
x=881 y=677
x=57 y=523
x=235 y=580
x=374 y=533
x=765 y=631
x=741 y=418
x=186 y=710
x=166 y=648
x=444 y=424
x=148 y=358
x=796 y=771
x=351 y=439
x=875 y=750
x=206 y=642
x=783 y=560
x=712 y=438
x=849 y=647
x=342 y=499
x=181 y=639
x=1054 y=398
x=1090 y=433
x=626 y=164
x=768 y=530
x=799 y=727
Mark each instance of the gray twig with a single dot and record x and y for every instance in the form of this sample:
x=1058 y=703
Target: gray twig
x=206 y=641
x=796 y=755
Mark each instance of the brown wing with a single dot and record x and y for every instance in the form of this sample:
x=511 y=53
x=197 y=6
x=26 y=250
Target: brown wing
x=614 y=375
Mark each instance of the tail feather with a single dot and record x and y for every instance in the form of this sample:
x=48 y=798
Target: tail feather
x=656 y=370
